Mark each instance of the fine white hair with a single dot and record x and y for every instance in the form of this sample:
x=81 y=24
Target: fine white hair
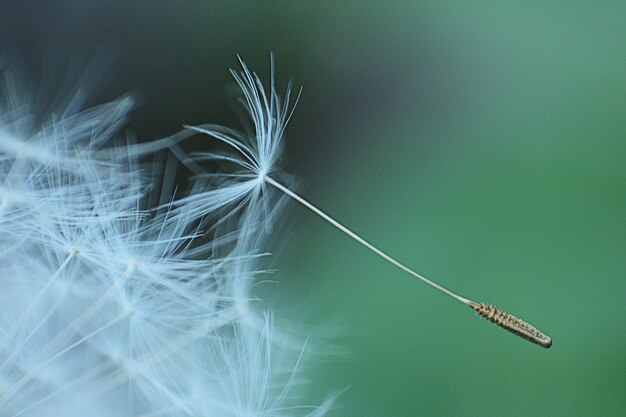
x=111 y=307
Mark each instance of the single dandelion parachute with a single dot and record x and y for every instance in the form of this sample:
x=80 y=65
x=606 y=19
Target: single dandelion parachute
x=257 y=154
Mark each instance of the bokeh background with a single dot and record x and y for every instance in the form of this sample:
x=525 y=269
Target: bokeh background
x=483 y=143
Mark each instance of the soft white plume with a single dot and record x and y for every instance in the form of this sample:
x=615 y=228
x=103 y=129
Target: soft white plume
x=109 y=307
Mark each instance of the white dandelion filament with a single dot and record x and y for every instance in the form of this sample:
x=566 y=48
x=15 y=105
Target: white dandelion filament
x=112 y=307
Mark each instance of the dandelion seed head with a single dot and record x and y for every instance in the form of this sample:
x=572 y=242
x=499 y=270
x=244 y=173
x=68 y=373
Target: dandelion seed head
x=111 y=307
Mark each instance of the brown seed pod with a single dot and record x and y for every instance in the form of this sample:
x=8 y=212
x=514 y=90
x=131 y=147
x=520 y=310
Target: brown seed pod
x=512 y=324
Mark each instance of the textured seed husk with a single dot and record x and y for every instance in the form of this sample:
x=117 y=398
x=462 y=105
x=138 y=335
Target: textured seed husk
x=512 y=324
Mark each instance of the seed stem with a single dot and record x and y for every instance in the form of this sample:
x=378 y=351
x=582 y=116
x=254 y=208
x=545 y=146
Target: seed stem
x=362 y=241
x=501 y=318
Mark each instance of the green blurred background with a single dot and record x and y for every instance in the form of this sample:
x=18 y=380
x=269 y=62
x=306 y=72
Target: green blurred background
x=482 y=143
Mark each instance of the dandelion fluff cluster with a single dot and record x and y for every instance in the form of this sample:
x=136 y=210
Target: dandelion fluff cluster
x=111 y=306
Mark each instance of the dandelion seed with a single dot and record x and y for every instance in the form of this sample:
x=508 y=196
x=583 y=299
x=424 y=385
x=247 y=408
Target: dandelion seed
x=257 y=154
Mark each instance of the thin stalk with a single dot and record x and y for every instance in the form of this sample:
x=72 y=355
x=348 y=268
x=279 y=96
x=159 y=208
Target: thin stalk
x=33 y=303
x=32 y=372
x=362 y=241
x=501 y=318
x=84 y=378
x=119 y=376
x=87 y=314
x=41 y=322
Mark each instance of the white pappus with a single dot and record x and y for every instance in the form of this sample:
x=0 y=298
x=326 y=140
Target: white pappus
x=110 y=307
